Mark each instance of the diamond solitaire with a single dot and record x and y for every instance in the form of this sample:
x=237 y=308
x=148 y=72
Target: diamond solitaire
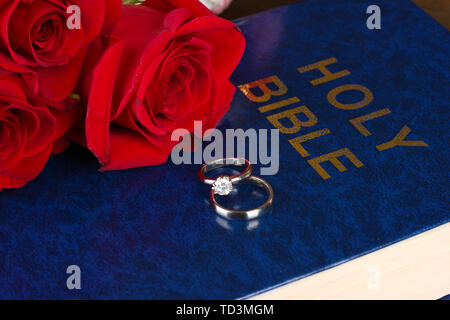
x=222 y=186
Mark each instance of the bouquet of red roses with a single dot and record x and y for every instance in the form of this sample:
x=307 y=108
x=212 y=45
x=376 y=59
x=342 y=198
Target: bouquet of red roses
x=115 y=78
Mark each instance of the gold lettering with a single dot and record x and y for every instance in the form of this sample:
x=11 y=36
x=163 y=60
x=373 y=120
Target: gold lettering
x=327 y=74
x=280 y=104
x=333 y=158
x=297 y=142
x=262 y=84
x=399 y=141
x=296 y=122
x=368 y=97
x=358 y=122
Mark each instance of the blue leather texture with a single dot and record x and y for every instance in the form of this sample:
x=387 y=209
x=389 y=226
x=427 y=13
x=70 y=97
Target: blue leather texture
x=151 y=233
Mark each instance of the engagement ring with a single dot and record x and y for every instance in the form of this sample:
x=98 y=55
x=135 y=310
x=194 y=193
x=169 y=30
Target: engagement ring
x=246 y=214
x=223 y=186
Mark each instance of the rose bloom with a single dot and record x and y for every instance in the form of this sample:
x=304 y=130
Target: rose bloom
x=29 y=131
x=166 y=64
x=36 y=41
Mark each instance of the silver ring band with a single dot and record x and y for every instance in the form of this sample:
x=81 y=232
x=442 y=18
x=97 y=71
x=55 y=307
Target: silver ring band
x=244 y=215
x=220 y=163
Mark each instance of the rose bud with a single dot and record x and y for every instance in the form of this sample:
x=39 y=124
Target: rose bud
x=36 y=40
x=166 y=65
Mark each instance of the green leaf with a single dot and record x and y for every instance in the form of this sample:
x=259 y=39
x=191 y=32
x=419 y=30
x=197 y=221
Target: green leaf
x=132 y=1
x=74 y=96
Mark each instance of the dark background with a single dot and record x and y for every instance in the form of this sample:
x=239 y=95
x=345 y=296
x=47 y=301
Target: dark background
x=242 y=8
x=438 y=9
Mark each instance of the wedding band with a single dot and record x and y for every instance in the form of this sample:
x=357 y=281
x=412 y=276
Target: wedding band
x=220 y=163
x=246 y=214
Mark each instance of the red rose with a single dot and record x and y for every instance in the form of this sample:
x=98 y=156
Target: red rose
x=28 y=130
x=36 y=41
x=166 y=64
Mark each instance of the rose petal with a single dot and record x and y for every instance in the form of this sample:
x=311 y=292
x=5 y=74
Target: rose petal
x=92 y=17
x=196 y=8
x=12 y=87
x=57 y=83
x=100 y=98
x=5 y=15
x=112 y=16
x=223 y=102
x=13 y=148
x=140 y=48
x=9 y=65
x=60 y=145
x=225 y=38
x=45 y=134
x=77 y=134
x=26 y=170
x=65 y=120
x=139 y=152
x=24 y=25
x=175 y=18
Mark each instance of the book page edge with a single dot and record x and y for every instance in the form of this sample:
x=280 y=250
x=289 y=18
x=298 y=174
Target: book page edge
x=415 y=268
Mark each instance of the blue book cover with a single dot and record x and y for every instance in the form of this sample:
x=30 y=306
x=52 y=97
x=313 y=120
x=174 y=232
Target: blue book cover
x=363 y=119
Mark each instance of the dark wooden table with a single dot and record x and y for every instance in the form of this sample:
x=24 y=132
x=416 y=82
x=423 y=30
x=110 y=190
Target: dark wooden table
x=438 y=9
